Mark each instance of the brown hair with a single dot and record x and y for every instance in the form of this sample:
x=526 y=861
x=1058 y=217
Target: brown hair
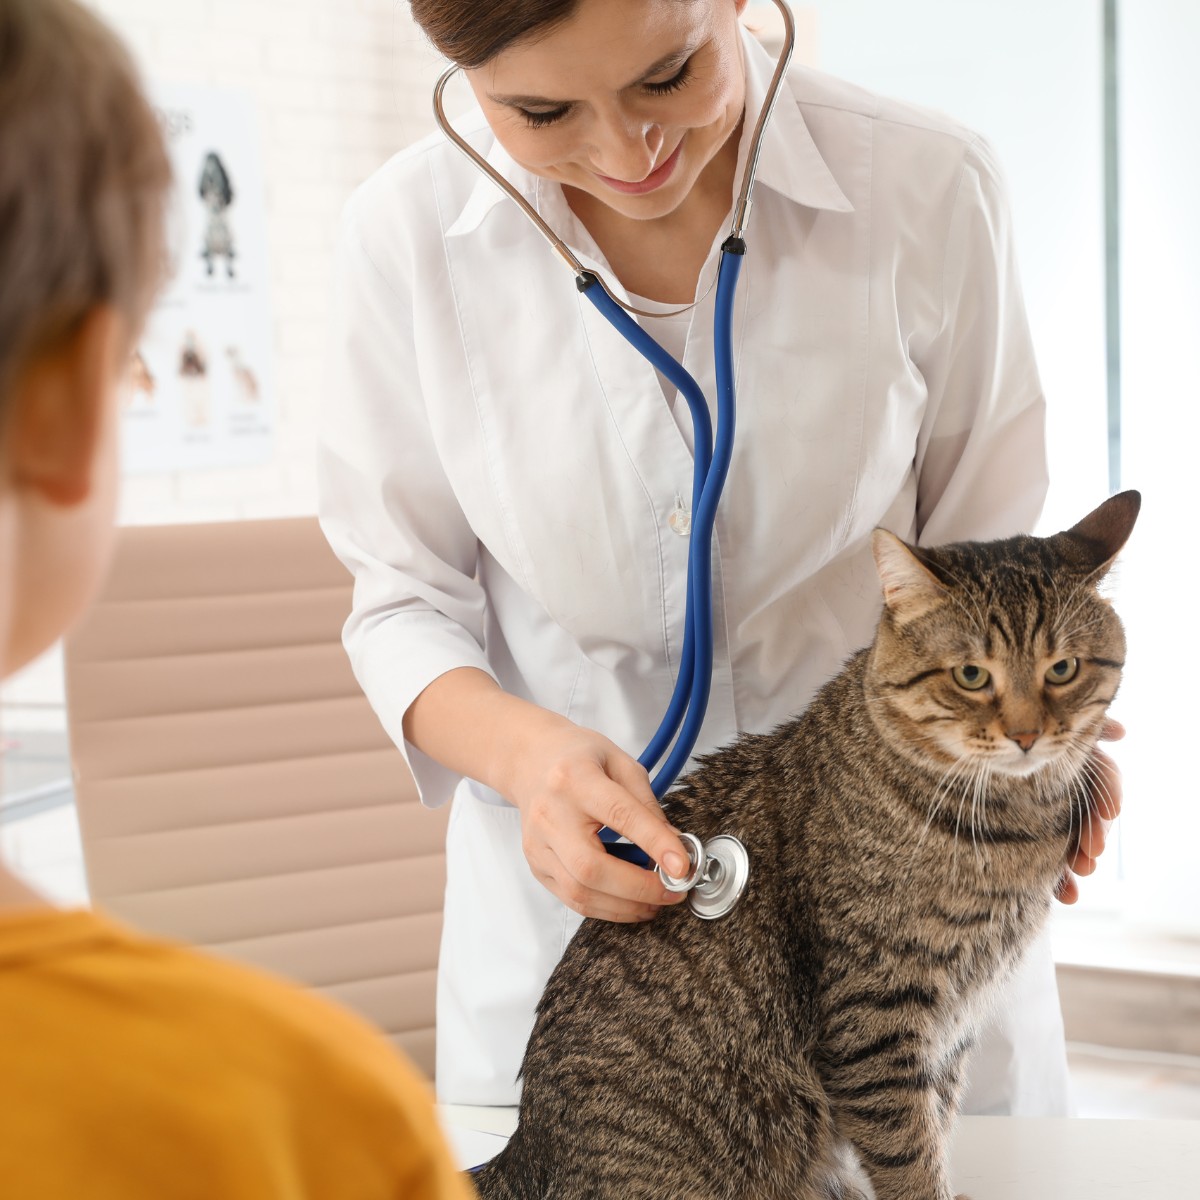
x=84 y=179
x=469 y=32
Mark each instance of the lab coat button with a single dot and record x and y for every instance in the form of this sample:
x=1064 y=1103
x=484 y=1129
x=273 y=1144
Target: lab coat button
x=680 y=520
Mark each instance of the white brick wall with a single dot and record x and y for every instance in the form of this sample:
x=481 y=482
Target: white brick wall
x=341 y=85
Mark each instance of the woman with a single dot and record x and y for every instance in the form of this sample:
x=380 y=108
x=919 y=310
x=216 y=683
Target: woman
x=510 y=483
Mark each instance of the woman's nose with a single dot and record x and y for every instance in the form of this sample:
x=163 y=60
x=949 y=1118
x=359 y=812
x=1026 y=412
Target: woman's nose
x=627 y=149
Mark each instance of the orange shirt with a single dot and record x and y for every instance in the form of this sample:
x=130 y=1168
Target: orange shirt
x=134 y=1068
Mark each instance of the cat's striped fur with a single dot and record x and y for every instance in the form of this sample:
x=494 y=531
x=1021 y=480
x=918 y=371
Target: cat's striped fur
x=906 y=834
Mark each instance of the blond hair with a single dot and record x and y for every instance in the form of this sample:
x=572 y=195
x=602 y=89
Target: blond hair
x=84 y=179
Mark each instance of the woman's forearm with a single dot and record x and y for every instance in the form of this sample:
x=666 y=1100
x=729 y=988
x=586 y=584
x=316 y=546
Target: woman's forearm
x=468 y=723
x=566 y=780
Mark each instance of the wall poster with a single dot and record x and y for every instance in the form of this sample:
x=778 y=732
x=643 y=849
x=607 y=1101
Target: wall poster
x=200 y=390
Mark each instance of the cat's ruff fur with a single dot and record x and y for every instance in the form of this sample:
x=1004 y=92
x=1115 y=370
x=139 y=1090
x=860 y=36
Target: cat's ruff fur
x=904 y=849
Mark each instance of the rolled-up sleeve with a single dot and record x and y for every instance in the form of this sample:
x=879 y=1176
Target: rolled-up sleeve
x=387 y=506
x=981 y=456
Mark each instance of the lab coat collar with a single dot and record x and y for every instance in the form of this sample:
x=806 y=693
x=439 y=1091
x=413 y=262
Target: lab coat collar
x=486 y=194
x=789 y=162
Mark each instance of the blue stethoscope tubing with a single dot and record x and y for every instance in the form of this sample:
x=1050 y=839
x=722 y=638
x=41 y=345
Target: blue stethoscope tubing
x=689 y=700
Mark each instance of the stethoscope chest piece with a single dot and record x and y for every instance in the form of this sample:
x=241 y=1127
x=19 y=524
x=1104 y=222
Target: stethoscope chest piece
x=720 y=870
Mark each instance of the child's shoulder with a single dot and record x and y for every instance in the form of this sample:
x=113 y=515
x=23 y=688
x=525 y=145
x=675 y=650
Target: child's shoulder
x=220 y=995
x=223 y=1063
x=160 y=1022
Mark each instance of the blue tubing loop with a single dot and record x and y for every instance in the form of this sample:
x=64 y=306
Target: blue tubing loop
x=689 y=700
x=704 y=516
x=645 y=345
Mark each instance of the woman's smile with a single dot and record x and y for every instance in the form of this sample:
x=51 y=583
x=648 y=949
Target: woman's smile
x=654 y=180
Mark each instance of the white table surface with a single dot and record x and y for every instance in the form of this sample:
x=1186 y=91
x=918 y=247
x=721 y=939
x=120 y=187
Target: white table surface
x=994 y=1158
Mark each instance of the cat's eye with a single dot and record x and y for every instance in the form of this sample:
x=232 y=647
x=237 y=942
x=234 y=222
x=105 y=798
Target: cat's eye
x=971 y=677
x=1063 y=671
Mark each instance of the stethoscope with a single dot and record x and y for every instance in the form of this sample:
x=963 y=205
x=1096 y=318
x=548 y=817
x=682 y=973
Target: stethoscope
x=720 y=868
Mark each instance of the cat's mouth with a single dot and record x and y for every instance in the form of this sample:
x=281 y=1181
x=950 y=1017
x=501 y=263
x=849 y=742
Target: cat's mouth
x=1021 y=764
x=1003 y=756
x=1061 y=753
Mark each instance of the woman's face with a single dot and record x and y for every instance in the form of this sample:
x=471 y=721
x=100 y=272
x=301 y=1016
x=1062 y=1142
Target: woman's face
x=628 y=101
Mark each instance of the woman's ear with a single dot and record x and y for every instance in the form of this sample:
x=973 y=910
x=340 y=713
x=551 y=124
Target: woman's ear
x=59 y=408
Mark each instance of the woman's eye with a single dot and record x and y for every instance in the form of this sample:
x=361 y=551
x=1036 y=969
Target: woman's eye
x=673 y=84
x=971 y=677
x=538 y=119
x=1063 y=671
x=535 y=120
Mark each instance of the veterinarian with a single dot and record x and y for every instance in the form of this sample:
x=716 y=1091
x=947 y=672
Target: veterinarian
x=511 y=484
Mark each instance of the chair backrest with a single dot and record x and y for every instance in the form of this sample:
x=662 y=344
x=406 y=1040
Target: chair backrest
x=235 y=790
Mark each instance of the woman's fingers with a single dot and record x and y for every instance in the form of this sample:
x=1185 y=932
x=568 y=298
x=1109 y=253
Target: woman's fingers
x=594 y=883
x=1104 y=803
x=1083 y=864
x=1067 y=890
x=597 y=904
x=1104 y=784
x=1092 y=839
x=642 y=821
x=560 y=833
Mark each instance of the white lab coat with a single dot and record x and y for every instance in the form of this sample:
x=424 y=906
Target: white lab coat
x=498 y=469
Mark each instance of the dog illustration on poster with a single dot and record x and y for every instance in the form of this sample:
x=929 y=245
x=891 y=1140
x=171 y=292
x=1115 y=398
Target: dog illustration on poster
x=216 y=192
x=244 y=378
x=194 y=382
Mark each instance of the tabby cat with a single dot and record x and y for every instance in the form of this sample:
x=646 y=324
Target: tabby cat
x=906 y=834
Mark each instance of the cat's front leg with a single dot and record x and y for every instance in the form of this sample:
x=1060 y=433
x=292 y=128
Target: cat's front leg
x=900 y=1135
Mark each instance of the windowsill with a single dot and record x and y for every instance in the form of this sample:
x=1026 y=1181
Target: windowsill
x=1106 y=941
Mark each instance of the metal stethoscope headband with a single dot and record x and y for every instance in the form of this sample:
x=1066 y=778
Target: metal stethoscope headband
x=719 y=869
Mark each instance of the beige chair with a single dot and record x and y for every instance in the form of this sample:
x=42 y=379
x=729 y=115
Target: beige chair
x=234 y=788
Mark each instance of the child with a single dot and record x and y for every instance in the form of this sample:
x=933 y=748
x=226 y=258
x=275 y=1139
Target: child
x=130 y=1067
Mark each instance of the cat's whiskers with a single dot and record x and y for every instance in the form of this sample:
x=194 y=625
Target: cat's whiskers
x=1094 y=785
x=979 y=806
x=1088 y=774
x=1081 y=805
x=957 y=769
x=971 y=813
x=969 y=790
x=1098 y=782
x=1072 y=782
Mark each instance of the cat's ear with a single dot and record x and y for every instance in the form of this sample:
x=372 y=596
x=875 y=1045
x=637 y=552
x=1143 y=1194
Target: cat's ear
x=910 y=589
x=1095 y=542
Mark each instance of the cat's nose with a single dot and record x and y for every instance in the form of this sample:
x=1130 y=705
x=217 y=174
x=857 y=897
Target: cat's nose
x=1025 y=738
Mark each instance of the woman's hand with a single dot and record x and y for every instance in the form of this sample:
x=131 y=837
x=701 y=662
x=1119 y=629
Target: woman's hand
x=1105 y=780
x=569 y=782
